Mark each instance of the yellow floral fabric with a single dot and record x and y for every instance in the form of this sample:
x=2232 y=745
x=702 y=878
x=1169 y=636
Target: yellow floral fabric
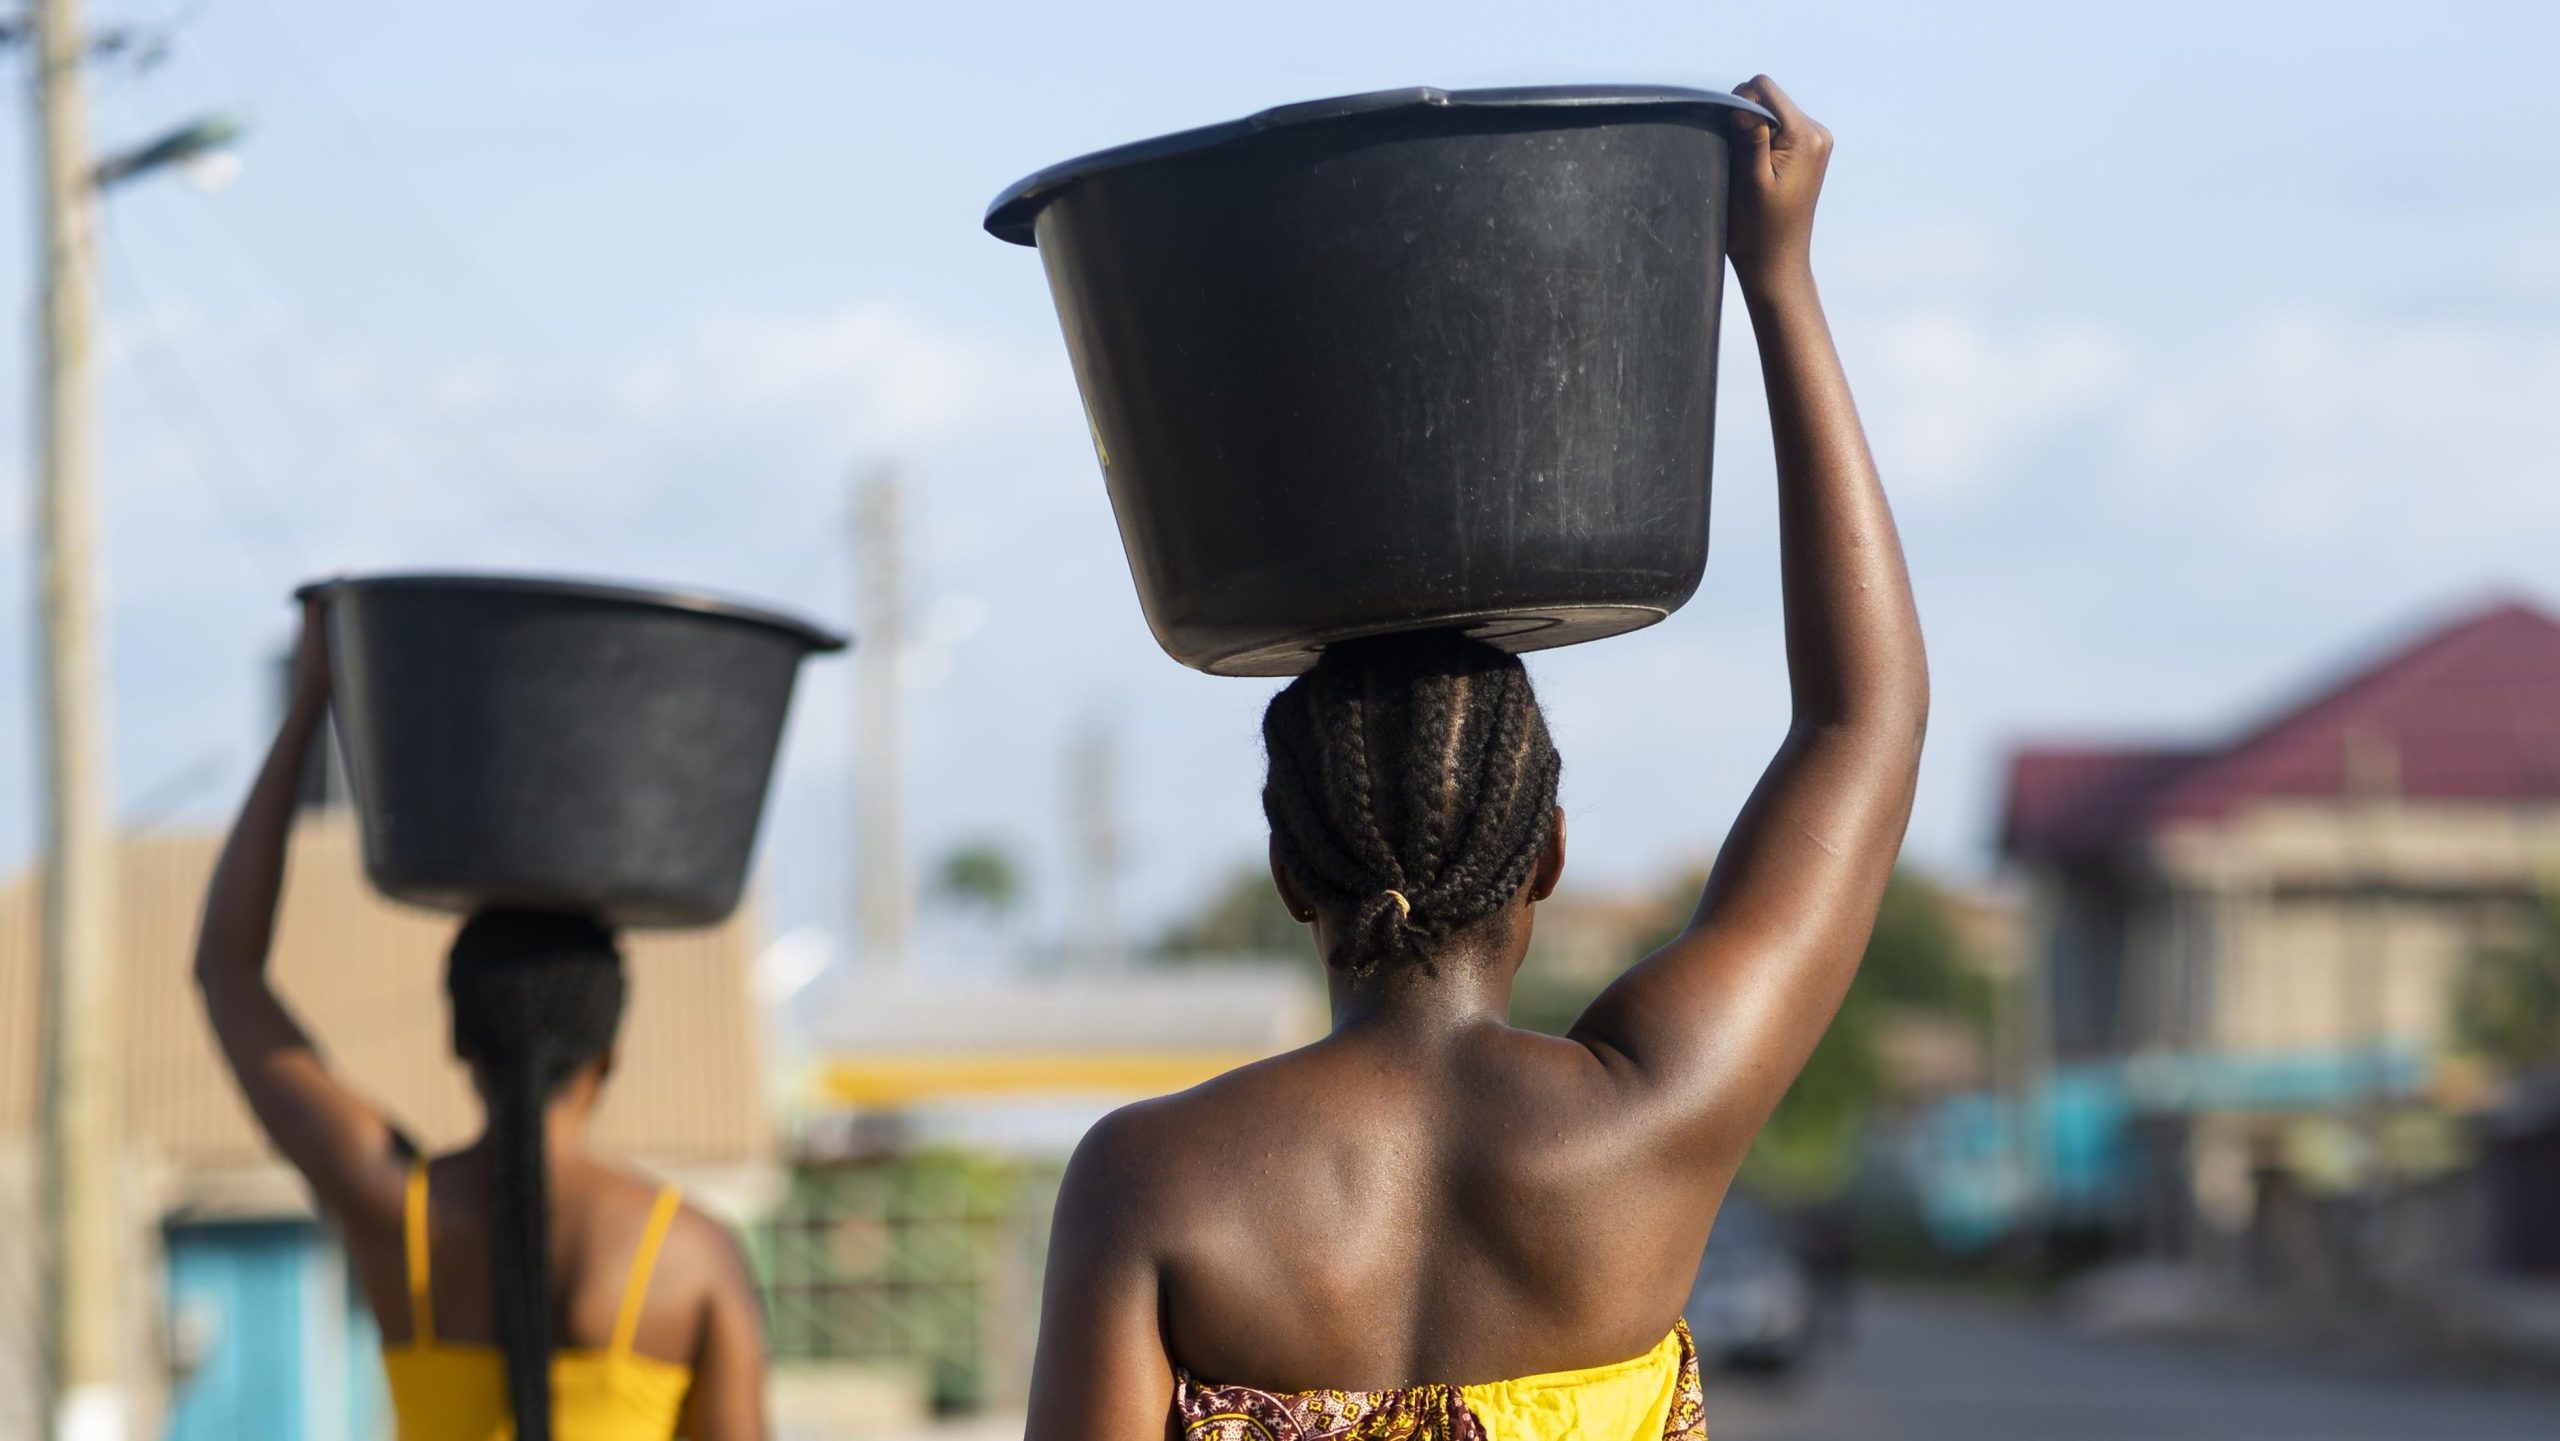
x=1656 y=1395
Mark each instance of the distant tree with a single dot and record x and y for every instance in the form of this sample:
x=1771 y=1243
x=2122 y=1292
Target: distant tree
x=1240 y=916
x=2508 y=1010
x=1915 y=962
x=1916 y=959
x=1550 y=999
x=1810 y=1145
x=980 y=876
x=1542 y=1000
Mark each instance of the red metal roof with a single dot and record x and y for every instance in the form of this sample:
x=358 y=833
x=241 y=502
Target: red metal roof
x=2080 y=800
x=2469 y=711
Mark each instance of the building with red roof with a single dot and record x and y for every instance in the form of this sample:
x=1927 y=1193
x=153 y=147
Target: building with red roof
x=2288 y=914
x=2467 y=713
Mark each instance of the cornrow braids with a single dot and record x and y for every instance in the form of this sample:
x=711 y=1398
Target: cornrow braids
x=1409 y=766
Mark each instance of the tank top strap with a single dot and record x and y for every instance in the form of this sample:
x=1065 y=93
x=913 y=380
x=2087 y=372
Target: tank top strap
x=413 y=1237
x=626 y=1324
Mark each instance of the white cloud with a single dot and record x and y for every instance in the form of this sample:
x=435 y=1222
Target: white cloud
x=873 y=374
x=1930 y=255
x=2529 y=263
x=2304 y=429
x=1954 y=401
x=2295 y=429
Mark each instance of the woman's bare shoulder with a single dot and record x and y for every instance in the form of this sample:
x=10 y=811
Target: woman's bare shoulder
x=701 y=1260
x=697 y=1231
x=711 y=1249
x=1168 y=1170
x=1258 y=1099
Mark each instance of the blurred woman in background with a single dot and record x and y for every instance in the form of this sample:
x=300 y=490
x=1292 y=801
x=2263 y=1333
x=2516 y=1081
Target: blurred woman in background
x=524 y=1287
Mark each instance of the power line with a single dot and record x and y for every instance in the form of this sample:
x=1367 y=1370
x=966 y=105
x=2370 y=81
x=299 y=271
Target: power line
x=255 y=259
x=436 y=251
x=249 y=262
x=172 y=792
x=376 y=419
x=394 y=179
x=276 y=540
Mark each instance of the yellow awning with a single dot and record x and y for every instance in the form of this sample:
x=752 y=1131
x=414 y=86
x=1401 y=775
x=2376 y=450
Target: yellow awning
x=899 y=1080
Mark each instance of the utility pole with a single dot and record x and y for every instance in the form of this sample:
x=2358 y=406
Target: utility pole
x=2371 y=766
x=884 y=890
x=82 y=1207
x=2372 y=776
x=2031 y=1114
x=82 y=1211
x=1093 y=827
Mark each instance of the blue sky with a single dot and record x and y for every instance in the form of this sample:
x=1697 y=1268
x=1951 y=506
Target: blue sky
x=2203 y=347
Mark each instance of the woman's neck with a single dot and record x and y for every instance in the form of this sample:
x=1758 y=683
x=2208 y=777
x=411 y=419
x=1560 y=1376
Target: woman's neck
x=1405 y=1001
x=564 y=1134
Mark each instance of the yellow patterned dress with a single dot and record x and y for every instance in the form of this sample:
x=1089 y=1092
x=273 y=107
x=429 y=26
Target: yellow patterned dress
x=1656 y=1395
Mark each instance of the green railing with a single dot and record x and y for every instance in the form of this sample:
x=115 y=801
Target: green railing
x=930 y=1262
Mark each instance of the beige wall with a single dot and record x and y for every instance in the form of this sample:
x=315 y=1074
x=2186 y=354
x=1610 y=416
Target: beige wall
x=2314 y=972
x=366 y=977
x=2304 y=841
x=2302 y=926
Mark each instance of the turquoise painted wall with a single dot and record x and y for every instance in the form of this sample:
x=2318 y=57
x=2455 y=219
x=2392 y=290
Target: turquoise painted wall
x=280 y=1345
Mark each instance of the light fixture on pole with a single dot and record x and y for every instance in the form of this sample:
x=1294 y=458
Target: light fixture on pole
x=203 y=148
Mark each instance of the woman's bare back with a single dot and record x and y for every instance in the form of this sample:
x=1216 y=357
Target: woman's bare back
x=1365 y=1213
x=599 y=1215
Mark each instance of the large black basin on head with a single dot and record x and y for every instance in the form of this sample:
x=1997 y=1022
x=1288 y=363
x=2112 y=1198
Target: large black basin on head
x=1415 y=359
x=556 y=744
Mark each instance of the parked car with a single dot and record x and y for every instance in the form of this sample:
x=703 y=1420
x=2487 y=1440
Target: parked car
x=1754 y=1302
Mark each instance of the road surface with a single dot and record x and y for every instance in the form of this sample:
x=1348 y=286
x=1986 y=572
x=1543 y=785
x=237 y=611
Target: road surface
x=1937 y=1369
x=1925 y=1369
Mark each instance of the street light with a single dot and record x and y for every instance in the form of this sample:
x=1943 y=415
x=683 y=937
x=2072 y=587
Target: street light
x=203 y=147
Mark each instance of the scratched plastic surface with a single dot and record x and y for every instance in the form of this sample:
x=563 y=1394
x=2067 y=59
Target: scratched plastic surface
x=1400 y=361
x=559 y=745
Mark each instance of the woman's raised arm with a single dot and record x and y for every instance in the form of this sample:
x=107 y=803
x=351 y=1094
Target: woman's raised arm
x=1719 y=1022
x=349 y=1153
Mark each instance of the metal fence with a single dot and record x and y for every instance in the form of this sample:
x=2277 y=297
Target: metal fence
x=927 y=1262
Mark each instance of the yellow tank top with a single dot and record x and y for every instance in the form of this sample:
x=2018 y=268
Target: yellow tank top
x=1657 y=1396
x=452 y=1391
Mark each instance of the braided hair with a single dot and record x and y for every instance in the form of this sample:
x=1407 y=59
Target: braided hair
x=536 y=995
x=1412 y=787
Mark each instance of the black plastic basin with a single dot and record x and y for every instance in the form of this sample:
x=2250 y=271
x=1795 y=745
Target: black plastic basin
x=557 y=744
x=1415 y=359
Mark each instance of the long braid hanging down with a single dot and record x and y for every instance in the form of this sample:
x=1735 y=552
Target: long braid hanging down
x=1412 y=788
x=535 y=996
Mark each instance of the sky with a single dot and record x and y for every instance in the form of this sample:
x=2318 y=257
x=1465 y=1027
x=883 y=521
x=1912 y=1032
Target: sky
x=2204 y=349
